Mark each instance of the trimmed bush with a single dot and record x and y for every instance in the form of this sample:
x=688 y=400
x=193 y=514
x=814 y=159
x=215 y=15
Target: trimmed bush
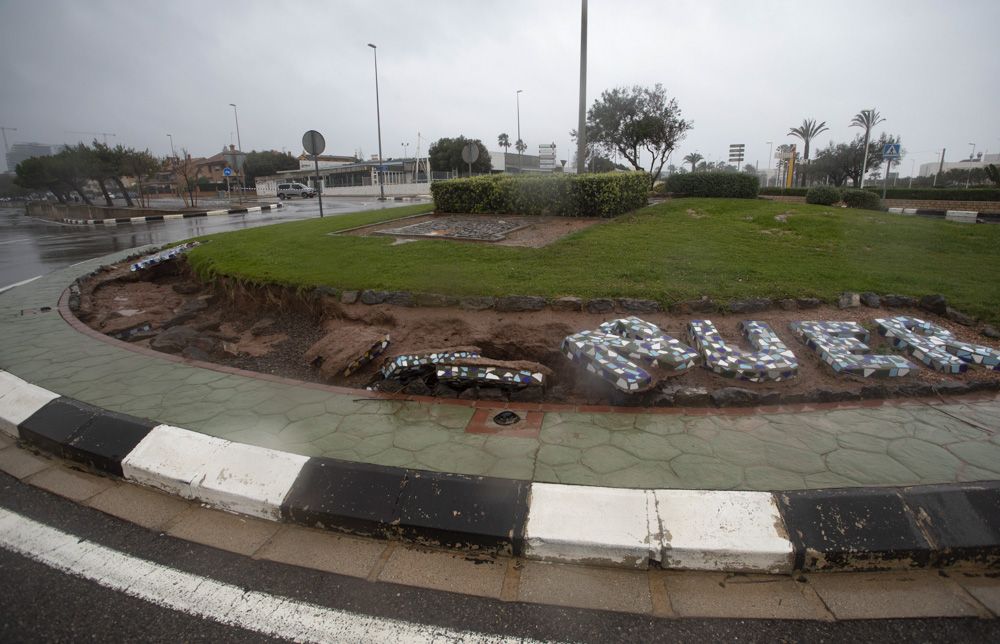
x=736 y=185
x=563 y=195
x=939 y=194
x=823 y=195
x=855 y=198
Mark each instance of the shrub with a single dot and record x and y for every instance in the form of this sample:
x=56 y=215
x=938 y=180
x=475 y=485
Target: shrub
x=855 y=198
x=737 y=185
x=823 y=195
x=589 y=195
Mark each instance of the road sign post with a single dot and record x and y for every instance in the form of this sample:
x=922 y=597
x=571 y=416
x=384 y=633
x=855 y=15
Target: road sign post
x=470 y=153
x=890 y=152
x=314 y=144
x=736 y=154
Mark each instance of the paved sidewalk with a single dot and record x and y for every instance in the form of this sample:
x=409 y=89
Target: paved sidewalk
x=908 y=443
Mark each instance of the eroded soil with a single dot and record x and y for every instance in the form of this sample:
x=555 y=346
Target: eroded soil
x=270 y=330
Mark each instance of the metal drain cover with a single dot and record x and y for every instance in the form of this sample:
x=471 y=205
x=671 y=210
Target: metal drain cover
x=506 y=417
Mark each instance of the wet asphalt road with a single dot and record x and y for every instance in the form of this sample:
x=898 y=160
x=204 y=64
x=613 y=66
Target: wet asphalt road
x=31 y=247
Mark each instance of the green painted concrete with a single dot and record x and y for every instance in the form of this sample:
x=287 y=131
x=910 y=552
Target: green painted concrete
x=913 y=443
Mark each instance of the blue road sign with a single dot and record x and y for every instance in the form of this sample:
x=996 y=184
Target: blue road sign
x=890 y=151
x=228 y=172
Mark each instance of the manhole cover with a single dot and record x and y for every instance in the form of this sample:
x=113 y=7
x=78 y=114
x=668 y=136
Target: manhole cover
x=506 y=418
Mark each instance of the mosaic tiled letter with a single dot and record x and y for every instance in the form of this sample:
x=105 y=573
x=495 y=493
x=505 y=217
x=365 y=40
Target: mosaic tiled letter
x=842 y=345
x=610 y=351
x=770 y=361
x=416 y=362
x=936 y=346
x=376 y=350
x=491 y=376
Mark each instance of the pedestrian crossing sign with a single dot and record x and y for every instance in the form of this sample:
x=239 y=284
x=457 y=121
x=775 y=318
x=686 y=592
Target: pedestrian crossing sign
x=890 y=151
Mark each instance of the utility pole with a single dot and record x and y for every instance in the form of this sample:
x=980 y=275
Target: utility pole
x=6 y=149
x=378 y=119
x=517 y=96
x=940 y=168
x=770 y=145
x=581 y=130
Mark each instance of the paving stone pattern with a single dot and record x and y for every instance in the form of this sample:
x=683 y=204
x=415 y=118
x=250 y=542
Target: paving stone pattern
x=904 y=444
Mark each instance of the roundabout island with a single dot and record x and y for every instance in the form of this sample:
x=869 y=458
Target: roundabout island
x=697 y=467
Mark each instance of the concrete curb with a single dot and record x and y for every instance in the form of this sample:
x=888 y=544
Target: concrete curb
x=807 y=530
x=186 y=215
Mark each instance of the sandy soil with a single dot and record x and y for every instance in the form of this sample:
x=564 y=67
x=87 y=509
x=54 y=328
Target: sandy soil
x=271 y=332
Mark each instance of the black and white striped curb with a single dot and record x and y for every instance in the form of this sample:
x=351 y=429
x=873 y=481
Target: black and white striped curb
x=851 y=528
x=186 y=215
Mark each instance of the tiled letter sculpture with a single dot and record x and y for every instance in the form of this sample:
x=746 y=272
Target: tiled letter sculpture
x=936 y=346
x=606 y=353
x=842 y=345
x=771 y=360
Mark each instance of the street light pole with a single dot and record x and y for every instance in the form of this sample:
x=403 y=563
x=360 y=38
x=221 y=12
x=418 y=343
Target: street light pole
x=239 y=144
x=520 y=143
x=378 y=119
x=972 y=155
x=581 y=128
x=239 y=148
x=171 y=137
x=770 y=145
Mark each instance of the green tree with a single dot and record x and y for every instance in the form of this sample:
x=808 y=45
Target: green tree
x=266 y=163
x=809 y=130
x=993 y=174
x=866 y=120
x=503 y=140
x=446 y=155
x=842 y=161
x=693 y=159
x=138 y=165
x=37 y=173
x=631 y=121
x=520 y=146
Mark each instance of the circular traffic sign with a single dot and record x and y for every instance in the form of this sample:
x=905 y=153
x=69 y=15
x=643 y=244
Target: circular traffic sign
x=470 y=152
x=313 y=143
x=228 y=172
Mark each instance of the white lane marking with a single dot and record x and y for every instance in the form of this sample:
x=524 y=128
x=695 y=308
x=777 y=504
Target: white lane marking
x=210 y=599
x=21 y=283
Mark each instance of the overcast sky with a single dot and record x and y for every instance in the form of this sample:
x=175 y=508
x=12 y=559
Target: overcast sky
x=743 y=72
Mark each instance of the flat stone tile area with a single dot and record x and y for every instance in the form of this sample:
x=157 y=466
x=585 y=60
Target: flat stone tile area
x=892 y=595
x=454 y=572
x=751 y=596
x=585 y=587
x=899 y=444
x=472 y=228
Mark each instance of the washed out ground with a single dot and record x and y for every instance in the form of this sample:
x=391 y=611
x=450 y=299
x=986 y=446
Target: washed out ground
x=271 y=331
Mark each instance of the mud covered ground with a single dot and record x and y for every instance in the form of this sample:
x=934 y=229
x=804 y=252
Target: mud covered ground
x=270 y=330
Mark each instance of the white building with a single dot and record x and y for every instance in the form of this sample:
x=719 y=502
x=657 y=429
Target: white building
x=927 y=169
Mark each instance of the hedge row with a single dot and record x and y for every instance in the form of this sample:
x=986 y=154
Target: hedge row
x=736 y=185
x=588 y=195
x=937 y=194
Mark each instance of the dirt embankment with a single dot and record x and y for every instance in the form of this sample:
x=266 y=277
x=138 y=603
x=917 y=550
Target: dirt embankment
x=276 y=331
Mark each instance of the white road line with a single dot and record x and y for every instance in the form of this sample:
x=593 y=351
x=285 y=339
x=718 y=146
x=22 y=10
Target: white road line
x=206 y=598
x=21 y=283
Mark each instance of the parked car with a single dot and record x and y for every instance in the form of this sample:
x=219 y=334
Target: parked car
x=289 y=190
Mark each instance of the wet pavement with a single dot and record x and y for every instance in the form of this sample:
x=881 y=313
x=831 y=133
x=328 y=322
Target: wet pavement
x=31 y=247
x=901 y=443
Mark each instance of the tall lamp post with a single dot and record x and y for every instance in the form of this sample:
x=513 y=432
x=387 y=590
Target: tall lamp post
x=972 y=155
x=239 y=148
x=517 y=97
x=378 y=120
x=581 y=129
x=171 y=137
x=770 y=145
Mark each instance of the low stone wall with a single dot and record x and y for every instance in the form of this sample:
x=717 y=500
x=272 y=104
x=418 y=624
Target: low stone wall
x=923 y=204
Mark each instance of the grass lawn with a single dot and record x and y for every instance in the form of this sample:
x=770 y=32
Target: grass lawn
x=682 y=249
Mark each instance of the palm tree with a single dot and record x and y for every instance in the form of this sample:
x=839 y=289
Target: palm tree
x=866 y=119
x=504 y=141
x=520 y=146
x=693 y=159
x=809 y=130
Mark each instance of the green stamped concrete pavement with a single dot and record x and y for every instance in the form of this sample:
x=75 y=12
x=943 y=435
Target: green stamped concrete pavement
x=897 y=444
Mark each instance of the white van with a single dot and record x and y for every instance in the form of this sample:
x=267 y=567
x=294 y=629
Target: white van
x=289 y=190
